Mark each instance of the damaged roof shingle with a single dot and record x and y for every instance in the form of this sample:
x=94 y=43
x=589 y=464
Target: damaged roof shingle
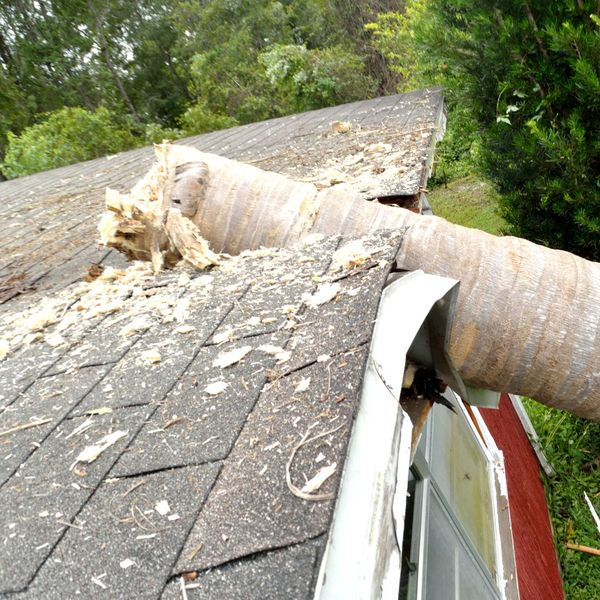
x=386 y=152
x=228 y=459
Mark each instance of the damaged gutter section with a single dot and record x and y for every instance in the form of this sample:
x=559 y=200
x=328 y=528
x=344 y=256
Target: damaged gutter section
x=362 y=558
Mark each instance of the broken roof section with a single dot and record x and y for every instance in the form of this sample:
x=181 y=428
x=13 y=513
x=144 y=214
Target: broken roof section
x=49 y=219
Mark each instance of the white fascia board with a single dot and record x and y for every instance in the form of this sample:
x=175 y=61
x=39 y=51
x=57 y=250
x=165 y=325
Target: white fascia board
x=362 y=556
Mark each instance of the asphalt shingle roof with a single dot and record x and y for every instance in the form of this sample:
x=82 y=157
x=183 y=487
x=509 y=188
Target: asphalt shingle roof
x=217 y=459
x=191 y=486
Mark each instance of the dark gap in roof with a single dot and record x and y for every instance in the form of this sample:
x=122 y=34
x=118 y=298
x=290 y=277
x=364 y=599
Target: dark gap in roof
x=252 y=556
x=410 y=201
x=165 y=469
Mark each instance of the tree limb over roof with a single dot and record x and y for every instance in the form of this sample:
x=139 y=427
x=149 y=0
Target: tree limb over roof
x=526 y=319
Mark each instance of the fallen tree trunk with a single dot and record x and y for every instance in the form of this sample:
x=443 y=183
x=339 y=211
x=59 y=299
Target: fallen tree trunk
x=526 y=319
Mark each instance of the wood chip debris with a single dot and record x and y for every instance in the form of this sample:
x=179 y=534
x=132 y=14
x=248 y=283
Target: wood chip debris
x=126 y=563
x=353 y=254
x=340 y=126
x=97 y=581
x=302 y=385
x=226 y=359
x=151 y=356
x=325 y=293
x=4 y=349
x=215 y=388
x=223 y=336
x=315 y=482
x=279 y=353
x=81 y=428
x=102 y=410
x=162 y=508
x=288 y=477
x=24 y=426
x=138 y=325
x=185 y=329
x=90 y=453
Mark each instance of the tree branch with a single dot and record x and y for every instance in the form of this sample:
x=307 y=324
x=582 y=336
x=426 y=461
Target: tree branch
x=536 y=31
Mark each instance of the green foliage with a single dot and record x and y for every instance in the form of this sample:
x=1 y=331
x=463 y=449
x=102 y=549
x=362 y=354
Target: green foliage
x=528 y=75
x=66 y=136
x=155 y=133
x=572 y=447
x=200 y=119
x=258 y=60
x=307 y=79
x=197 y=65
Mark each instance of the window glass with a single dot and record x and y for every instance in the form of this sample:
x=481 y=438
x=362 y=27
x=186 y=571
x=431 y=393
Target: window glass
x=460 y=471
x=452 y=573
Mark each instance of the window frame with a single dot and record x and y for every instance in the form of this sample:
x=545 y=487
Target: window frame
x=426 y=485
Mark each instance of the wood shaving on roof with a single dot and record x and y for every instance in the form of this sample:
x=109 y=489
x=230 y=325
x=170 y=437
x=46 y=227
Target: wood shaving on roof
x=56 y=321
x=4 y=349
x=90 y=453
x=151 y=356
x=215 y=388
x=325 y=293
x=227 y=359
x=354 y=254
x=322 y=475
x=312 y=497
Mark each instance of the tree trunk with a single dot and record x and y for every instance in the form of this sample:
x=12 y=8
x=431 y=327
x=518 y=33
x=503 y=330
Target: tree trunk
x=105 y=50
x=526 y=319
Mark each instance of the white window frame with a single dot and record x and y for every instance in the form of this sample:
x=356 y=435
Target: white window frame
x=504 y=582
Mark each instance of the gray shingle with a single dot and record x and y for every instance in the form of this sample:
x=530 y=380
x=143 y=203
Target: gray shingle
x=122 y=547
x=269 y=575
x=49 y=490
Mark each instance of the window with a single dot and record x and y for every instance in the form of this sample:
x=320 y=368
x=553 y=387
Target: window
x=451 y=544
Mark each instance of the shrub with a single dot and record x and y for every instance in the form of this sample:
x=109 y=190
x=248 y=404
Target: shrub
x=65 y=136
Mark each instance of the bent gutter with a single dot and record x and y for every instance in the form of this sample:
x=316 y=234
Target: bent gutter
x=362 y=557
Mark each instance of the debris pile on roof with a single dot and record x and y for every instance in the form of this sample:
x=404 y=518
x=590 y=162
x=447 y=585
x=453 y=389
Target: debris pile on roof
x=129 y=294
x=128 y=474
x=152 y=222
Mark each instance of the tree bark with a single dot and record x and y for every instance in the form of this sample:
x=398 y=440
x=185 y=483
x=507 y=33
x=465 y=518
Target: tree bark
x=527 y=317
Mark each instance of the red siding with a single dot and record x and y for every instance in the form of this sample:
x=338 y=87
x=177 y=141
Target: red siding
x=537 y=565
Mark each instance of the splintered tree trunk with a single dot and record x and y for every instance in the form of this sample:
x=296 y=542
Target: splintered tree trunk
x=526 y=319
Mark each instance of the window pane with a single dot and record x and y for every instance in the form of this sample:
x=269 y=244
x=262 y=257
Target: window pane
x=451 y=572
x=459 y=469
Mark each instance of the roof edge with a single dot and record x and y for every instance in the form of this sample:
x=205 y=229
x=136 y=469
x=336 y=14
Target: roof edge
x=362 y=556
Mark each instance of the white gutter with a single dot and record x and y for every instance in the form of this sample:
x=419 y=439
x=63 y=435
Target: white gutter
x=362 y=556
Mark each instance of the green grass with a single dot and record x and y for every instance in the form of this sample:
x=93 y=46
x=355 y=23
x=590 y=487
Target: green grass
x=572 y=445
x=468 y=201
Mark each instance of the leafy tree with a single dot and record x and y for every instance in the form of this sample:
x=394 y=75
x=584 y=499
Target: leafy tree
x=308 y=79
x=66 y=136
x=528 y=75
x=163 y=69
x=254 y=60
x=198 y=118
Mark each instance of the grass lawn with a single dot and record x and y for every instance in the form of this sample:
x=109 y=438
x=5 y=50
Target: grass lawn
x=571 y=445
